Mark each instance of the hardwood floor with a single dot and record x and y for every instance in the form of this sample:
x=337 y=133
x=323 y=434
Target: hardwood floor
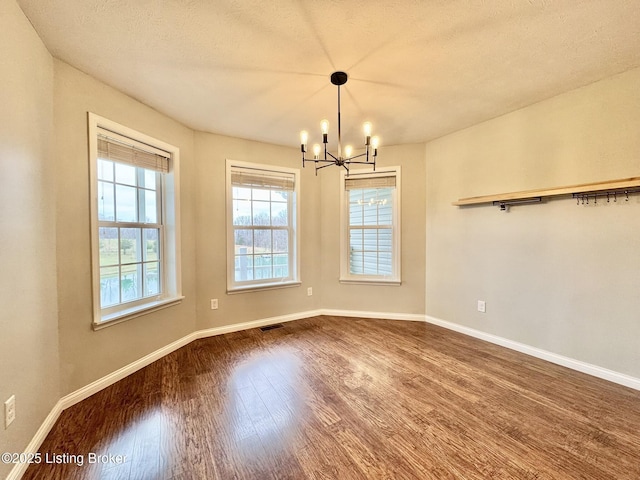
x=343 y=398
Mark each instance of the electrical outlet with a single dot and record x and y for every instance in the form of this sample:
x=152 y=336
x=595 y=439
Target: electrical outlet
x=482 y=306
x=214 y=304
x=9 y=411
x=309 y=291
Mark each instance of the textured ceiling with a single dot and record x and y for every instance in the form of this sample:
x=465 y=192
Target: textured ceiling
x=418 y=69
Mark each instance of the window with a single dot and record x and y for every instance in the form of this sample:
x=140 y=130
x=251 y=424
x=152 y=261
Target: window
x=370 y=219
x=262 y=218
x=134 y=222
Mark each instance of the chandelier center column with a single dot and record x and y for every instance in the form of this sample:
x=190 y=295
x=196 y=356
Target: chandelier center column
x=339 y=129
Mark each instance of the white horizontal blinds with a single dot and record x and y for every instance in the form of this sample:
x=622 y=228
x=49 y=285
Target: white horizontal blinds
x=381 y=181
x=268 y=180
x=118 y=151
x=371 y=224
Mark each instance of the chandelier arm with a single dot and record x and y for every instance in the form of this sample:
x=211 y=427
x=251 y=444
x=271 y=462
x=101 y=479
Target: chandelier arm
x=361 y=163
x=335 y=159
x=325 y=166
x=316 y=160
x=330 y=162
x=356 y=156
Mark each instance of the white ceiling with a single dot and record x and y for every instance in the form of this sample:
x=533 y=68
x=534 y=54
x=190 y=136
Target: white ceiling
x=418 y=69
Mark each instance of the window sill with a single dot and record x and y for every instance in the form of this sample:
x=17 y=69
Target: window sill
x=258 y=288
x=137 y=311
x=371 y=281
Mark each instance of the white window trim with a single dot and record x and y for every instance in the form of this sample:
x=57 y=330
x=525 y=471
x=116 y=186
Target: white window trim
x=171 y=266
x=257 y=286
x=345 y=275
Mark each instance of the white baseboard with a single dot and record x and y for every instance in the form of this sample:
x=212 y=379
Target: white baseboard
x=580 y=366
x=411 y=317
x=110 y=379
x=19 y=468
x=236 y=327
x=102 y=383
x=113 y=377
x=94 y=387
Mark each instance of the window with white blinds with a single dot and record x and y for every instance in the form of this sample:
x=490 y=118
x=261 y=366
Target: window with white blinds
x=261 y=230
x=135 y=256
x=123 y=150
x=267 y=180
x=371 y=227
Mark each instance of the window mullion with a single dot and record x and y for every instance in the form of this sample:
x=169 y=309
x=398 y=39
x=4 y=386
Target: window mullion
x=271 y=252
x=119 y=268
x=160 y=197
x=140 y=194
x=378 y=233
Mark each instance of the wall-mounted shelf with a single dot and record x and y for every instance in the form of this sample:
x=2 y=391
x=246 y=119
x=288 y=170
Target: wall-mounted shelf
x=583 y=191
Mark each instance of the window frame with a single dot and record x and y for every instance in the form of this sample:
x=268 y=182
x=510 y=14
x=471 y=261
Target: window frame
x=345 y=275
x=170 y=261
x=293 y=279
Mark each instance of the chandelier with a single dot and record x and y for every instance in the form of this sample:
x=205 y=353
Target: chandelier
x=340 y=160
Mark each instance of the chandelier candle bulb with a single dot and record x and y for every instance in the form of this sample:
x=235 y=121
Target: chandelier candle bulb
x=375 y=141
x=304 y=137
x=316 y=151
x=367 y=132
x=348 y=150
x=324 y=126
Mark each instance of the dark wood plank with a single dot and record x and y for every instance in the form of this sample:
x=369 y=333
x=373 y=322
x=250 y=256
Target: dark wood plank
x=332 y=397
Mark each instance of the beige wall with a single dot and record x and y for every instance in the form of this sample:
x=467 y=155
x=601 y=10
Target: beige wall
x=87 y=355
x=407 y=298
x=28 y=310
x=320 y=237
x=557 y=276
x=212 y=152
